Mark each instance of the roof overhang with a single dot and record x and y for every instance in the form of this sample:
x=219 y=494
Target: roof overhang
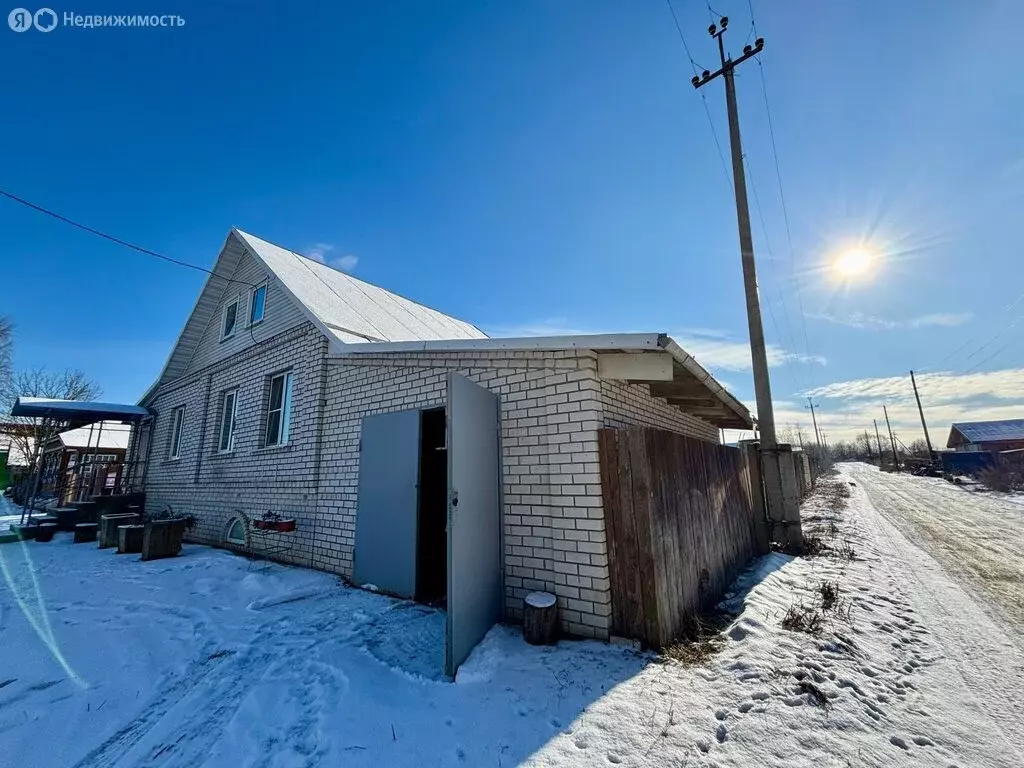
x=77 y=410
x=654 y=359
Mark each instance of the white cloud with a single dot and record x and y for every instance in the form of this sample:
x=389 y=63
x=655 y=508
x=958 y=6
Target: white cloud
x=319 y=251
x=935 y=388
x=875 y=323
x=345 y=263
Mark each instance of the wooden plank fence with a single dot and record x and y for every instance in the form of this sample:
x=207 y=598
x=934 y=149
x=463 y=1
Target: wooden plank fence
x=681 y=519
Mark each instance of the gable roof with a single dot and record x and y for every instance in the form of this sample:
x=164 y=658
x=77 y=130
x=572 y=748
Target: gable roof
x=350 y=309
x=344 y=308
x=985 y=432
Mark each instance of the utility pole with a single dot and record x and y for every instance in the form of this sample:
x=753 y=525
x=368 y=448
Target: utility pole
x=762 y=385
x=878 y=440
x=814 y=419
x=892 y=440
x=782 y=495
x=924 y=425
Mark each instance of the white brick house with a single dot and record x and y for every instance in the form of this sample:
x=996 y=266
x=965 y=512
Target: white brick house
x=269 y=415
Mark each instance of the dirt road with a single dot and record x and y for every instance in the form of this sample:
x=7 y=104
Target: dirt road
x=978 y=538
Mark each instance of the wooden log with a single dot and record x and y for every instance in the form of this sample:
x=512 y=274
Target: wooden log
x=540 y=618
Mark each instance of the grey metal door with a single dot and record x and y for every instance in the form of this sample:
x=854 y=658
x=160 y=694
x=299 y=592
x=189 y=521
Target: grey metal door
x=475 y=583
x=386 y=509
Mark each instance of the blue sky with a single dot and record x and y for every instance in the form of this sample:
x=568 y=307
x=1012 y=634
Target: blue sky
x=536 y=167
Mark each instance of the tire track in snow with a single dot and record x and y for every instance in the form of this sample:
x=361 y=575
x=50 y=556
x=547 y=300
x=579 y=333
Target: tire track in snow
x=984 y=656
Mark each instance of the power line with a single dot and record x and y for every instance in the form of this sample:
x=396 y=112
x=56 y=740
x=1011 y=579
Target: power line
x=785 y=214
x=119 y=241
x=707 y=110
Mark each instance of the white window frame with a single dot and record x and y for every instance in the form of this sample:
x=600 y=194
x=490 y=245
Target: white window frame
x=177 y=431
x=252 y=304
x=227 y=536
x=281 y=416
x=224 y=334
x=229 y=420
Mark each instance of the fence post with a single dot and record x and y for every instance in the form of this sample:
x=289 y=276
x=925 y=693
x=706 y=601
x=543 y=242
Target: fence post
x=762 y=532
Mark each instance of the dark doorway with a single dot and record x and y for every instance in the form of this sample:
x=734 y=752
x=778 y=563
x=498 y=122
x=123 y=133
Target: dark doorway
x=432 y=537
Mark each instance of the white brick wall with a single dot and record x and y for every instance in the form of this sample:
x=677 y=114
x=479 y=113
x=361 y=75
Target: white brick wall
x=552 y=405
x=553 y=521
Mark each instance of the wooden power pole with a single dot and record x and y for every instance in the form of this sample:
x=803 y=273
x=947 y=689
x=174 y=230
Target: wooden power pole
x=924 y=424
x=781 y=489
x=762 y=384
x=892 y=440
x=878 y=440
x=814 y=420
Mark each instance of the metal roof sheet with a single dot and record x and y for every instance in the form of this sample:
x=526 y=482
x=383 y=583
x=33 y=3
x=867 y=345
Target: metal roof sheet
x=113 y=436
x=77 y=409
x=351 y=309
x=990 y=431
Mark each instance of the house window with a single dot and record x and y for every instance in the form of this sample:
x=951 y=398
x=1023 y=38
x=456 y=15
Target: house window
x=228 y=417
x=230 y=320
x=257 y=304
x=236 y=532
x=176 y=430
x=279 y=410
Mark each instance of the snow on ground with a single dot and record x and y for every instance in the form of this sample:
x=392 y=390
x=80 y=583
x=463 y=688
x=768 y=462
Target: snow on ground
x=209 y=660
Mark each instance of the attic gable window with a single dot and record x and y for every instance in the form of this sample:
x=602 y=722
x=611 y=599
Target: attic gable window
x=230 y=320
x=257 y=304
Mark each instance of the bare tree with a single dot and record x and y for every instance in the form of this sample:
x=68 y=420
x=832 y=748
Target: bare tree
x=70 y=384
x=6 y=340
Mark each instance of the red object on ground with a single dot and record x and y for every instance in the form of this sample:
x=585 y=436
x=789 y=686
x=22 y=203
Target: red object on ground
x=281 y=526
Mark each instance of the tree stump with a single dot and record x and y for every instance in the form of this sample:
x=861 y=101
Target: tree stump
x=540 y=618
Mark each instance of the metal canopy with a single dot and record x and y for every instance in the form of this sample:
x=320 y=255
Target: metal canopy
x=77 y=410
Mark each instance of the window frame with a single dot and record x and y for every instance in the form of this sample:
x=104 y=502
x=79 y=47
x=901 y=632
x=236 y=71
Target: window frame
x=227 y=535
x=224 y=334
x=226 y=420
x=177 y=433
x=252 y=304
x=283 y=412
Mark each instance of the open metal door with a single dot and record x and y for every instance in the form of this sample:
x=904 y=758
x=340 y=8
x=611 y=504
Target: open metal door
x=475 y=579
x=386 y=511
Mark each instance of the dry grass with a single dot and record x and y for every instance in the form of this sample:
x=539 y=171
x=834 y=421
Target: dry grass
x=804 y=618
x=702 y=640
x=817 y=696
x=827 y=604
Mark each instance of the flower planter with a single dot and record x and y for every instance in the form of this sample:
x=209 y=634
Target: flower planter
x=109 y=525
x=85 y=532
x=46 y=531
x=281 y=526
x=162 y=538
x=129 y=539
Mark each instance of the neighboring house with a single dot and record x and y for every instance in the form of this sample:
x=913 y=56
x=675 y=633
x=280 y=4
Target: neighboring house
x=991 y=436
x=84 y=462
x=414 y=452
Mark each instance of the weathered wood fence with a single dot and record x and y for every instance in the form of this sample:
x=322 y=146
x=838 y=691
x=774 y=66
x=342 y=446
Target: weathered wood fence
x=681 y=519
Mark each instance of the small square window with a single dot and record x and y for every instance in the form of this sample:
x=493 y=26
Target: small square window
x=230 y=320
x=228 y=419
x=257 y=304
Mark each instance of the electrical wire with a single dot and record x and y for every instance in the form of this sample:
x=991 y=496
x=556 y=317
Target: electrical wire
x=697 y=69
x=119 y=241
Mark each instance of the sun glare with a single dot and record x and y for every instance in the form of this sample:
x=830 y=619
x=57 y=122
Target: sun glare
x=854 y=263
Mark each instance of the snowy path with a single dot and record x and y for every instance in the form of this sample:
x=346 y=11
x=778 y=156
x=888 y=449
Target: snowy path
x=109 y=662
x=977 y=537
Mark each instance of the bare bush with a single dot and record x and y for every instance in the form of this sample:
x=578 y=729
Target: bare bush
x=1006 y=475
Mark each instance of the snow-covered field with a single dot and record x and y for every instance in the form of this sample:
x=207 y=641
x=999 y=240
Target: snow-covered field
x=207 y=660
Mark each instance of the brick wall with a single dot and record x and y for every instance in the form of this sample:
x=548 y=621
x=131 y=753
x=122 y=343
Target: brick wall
x=625 y=404
x=553 y=522
x=214 y=486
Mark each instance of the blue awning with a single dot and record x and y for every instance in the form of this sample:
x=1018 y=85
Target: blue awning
x=77 y=410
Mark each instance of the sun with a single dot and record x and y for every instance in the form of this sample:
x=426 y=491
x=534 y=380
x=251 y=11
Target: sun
x=853 y=263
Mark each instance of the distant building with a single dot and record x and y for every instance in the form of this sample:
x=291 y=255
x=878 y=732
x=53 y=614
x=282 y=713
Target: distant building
x=991 y=436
